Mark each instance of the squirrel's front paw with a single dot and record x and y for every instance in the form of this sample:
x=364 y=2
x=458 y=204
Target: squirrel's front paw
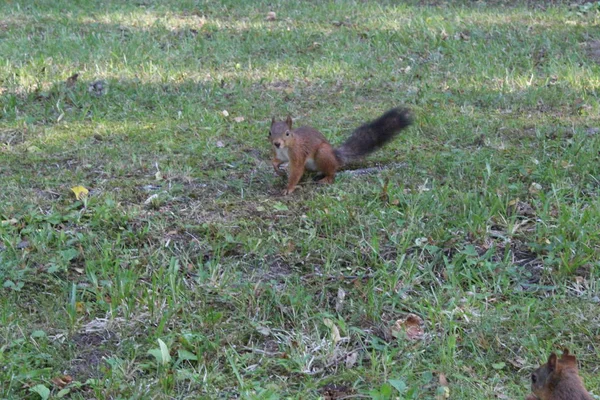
x=288 y=191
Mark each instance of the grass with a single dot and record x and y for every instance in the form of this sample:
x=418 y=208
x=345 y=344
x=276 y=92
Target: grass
x=185 y=274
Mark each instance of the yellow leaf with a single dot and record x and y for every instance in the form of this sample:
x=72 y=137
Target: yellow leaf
x=79 y=307
x=80 y=192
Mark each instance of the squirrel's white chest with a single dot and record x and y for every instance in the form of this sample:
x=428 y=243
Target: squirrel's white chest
x=282 y=154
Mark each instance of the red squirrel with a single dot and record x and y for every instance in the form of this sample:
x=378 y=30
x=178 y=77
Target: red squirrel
x=306 y=148
x=558 y=379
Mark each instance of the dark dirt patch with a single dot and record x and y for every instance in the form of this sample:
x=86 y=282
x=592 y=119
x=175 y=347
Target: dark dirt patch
x=334 y=391
x=274 y=269
x=90 y=349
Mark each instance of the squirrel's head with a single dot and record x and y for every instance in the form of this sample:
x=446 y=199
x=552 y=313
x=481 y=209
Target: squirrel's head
x=545 y=378
x=281 y=132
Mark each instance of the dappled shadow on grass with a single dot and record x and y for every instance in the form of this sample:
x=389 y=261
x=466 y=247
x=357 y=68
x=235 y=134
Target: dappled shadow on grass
x=178 y=54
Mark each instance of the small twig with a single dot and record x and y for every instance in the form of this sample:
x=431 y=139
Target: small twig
x=264 y=352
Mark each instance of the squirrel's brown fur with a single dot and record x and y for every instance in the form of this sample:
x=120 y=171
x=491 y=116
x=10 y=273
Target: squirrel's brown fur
x=558 y=379
x=306 y=148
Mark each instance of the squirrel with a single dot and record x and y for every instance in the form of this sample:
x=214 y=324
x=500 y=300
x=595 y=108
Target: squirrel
x=306 y=148
x=558 y=379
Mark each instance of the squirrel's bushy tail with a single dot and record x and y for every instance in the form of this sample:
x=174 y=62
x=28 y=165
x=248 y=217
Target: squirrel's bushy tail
x=373 y=135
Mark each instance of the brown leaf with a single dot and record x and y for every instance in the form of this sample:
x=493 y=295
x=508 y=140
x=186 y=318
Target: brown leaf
x=411 y=326
x=271 y=16
x=72 y=80
x=62 y=381
x=443 y=380
x=239 y=119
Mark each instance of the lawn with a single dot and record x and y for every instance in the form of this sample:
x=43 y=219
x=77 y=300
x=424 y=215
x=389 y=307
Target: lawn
x=185 y=274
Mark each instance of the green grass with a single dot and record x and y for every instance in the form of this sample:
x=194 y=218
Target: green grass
x=483 y=221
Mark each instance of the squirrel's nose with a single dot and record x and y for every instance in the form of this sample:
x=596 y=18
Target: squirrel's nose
x=277 y=144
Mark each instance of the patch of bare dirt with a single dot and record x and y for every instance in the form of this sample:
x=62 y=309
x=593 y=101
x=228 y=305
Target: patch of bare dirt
x=334 y=391
x=275 y=269
x=91 y=348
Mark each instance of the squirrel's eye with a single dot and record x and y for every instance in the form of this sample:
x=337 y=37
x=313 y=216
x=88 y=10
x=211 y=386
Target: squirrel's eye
x=287 y=133
x=533 y=378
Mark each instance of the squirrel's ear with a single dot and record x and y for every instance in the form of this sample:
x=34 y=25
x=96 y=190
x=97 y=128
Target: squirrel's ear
x=288 y=121
x=272 y=120
x=552 y=362
x=568 y=359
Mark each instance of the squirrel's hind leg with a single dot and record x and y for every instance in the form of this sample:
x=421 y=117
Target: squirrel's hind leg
x=327 y=163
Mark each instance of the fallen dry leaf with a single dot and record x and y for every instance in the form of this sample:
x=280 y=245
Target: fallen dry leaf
x=339 y=301
x=443 y=380
x=220 y=144
x=335 y=332
x=80 y=192
x=535 y=188
x=72 y=80
x=239 y=119
x=351 y=359
x=225 y=113
x=443 y=391
x=62 y=381
x=411 y=326
x=12 y=221
x=263 y=330
x=517 y=362
x=151 y=199
x=271 y=16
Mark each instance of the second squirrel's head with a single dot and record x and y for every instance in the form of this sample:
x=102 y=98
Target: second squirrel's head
x=281 y=133
x=545 y=378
